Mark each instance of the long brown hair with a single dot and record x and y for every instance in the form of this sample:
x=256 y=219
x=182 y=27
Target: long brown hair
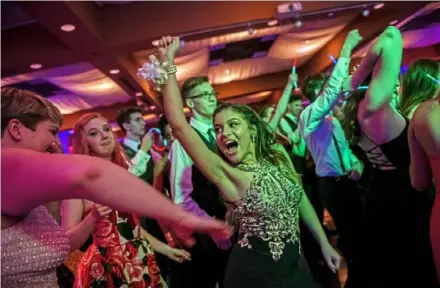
x=417 y=87
x=264 y=138
x=349 y=122
x=80 y=145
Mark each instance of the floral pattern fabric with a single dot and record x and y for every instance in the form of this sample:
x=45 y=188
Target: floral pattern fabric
x=119 y=257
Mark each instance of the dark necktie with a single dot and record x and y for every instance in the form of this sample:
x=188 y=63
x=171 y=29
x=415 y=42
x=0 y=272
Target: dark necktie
x=211 y=138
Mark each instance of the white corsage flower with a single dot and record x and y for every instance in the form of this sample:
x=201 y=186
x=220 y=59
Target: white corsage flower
x=154 y=72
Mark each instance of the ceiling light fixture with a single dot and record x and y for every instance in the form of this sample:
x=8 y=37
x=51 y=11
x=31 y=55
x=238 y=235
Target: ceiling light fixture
x=36 y=66
x=227 y=71
x=379 y=5
x=272 y=22
x=366 y=12
x=298 y=23
x=330 y=14
x=114 y=71
x=68 y=27
x=152 y=107
x=138 y=94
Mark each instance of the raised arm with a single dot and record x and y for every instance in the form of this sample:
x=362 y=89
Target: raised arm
x=210 y=164
x=321 y=107
x=283 y=102
x=52 y=177
x=385 y=56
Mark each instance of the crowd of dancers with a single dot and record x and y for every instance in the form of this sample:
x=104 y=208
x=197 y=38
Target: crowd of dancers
x=234 y=197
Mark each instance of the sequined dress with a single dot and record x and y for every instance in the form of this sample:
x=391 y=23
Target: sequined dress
x=267 y=253
x=119 y=256
x=32 y=250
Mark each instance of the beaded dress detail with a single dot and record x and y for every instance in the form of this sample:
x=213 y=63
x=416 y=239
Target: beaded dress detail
x=270 y=208
x=32 y=250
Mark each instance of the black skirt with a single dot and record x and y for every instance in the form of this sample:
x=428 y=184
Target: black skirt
x=255 y=268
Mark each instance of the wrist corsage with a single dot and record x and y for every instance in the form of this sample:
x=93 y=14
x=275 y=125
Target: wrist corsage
x=156 y=72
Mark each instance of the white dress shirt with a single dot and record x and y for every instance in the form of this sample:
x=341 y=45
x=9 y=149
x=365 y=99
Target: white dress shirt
x=318 y=127
x=181 y=171
x=138 y=164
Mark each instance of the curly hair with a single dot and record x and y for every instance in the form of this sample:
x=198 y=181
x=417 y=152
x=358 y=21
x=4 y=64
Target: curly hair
x=80 y=145
x=264 y=138
x=416 y=86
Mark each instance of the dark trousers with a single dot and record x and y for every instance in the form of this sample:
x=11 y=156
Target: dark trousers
x=343 y=199
x=206 y=268
x=311 y=249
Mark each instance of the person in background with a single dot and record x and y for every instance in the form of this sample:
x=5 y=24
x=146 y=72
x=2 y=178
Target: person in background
x=191 y=190
x=115 y=234
x=372 y=122
x=138 y=147
x=417 y=87
x=31 y=149
x=424 y=146
x=337 y=167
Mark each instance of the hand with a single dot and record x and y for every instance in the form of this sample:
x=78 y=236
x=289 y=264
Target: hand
x=356 y=171
x=352 y=40
x=331 y=257
x=168 y=48
x=100 y=211
x=222 y=244
x=55 y=147
x=293 y=79
x=190 y=224
x=147 y=142
x=178 y=255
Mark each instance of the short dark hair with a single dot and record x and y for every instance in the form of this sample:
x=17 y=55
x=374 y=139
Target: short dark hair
x=312 y=83
x=163 y=122
x=192 y=82
x=123 y=115
x=295 y=97
x=27 y=107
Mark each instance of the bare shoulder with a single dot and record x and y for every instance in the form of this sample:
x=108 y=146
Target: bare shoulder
x=425 y=124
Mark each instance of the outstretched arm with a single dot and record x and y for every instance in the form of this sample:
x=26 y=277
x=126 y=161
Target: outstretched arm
x=210 y=164
x=52 y=177
x=321 y=107
x=283 y=102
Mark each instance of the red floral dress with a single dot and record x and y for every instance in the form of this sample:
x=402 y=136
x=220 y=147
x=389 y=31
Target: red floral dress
x=118 y=257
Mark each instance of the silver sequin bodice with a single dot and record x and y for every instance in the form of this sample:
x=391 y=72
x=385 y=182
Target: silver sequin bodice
x=32 y=250
x=270 y=209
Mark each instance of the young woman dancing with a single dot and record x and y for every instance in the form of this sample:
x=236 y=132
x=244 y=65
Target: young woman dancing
x=32 y=243
x=257 y=179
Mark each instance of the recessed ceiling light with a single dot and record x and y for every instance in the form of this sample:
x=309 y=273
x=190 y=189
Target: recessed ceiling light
x=152 y=107
x=365 y=12
x=138 y=94
x=379 y=5
x=114 y=71
x=394 y=22
x=227 y=71
x=298 y=23
x=68 y=27
x=272 y=22
x=307 y=41
x=330 y=14
x=36 y=66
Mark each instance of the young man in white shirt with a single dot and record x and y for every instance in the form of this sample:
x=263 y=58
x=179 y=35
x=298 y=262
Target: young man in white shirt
x=337 y=167
x=192 y=191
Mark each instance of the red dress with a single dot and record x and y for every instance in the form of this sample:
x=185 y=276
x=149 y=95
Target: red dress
x=118 y=257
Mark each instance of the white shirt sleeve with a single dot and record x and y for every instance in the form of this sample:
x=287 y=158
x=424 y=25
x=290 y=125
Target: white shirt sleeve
x=139 y=163
x=181 y=180
x=311 y=116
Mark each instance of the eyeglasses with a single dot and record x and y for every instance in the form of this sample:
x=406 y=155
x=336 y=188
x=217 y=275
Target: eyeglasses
x=205 y=95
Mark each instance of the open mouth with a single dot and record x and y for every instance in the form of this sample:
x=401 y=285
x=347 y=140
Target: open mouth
x=231 y=146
